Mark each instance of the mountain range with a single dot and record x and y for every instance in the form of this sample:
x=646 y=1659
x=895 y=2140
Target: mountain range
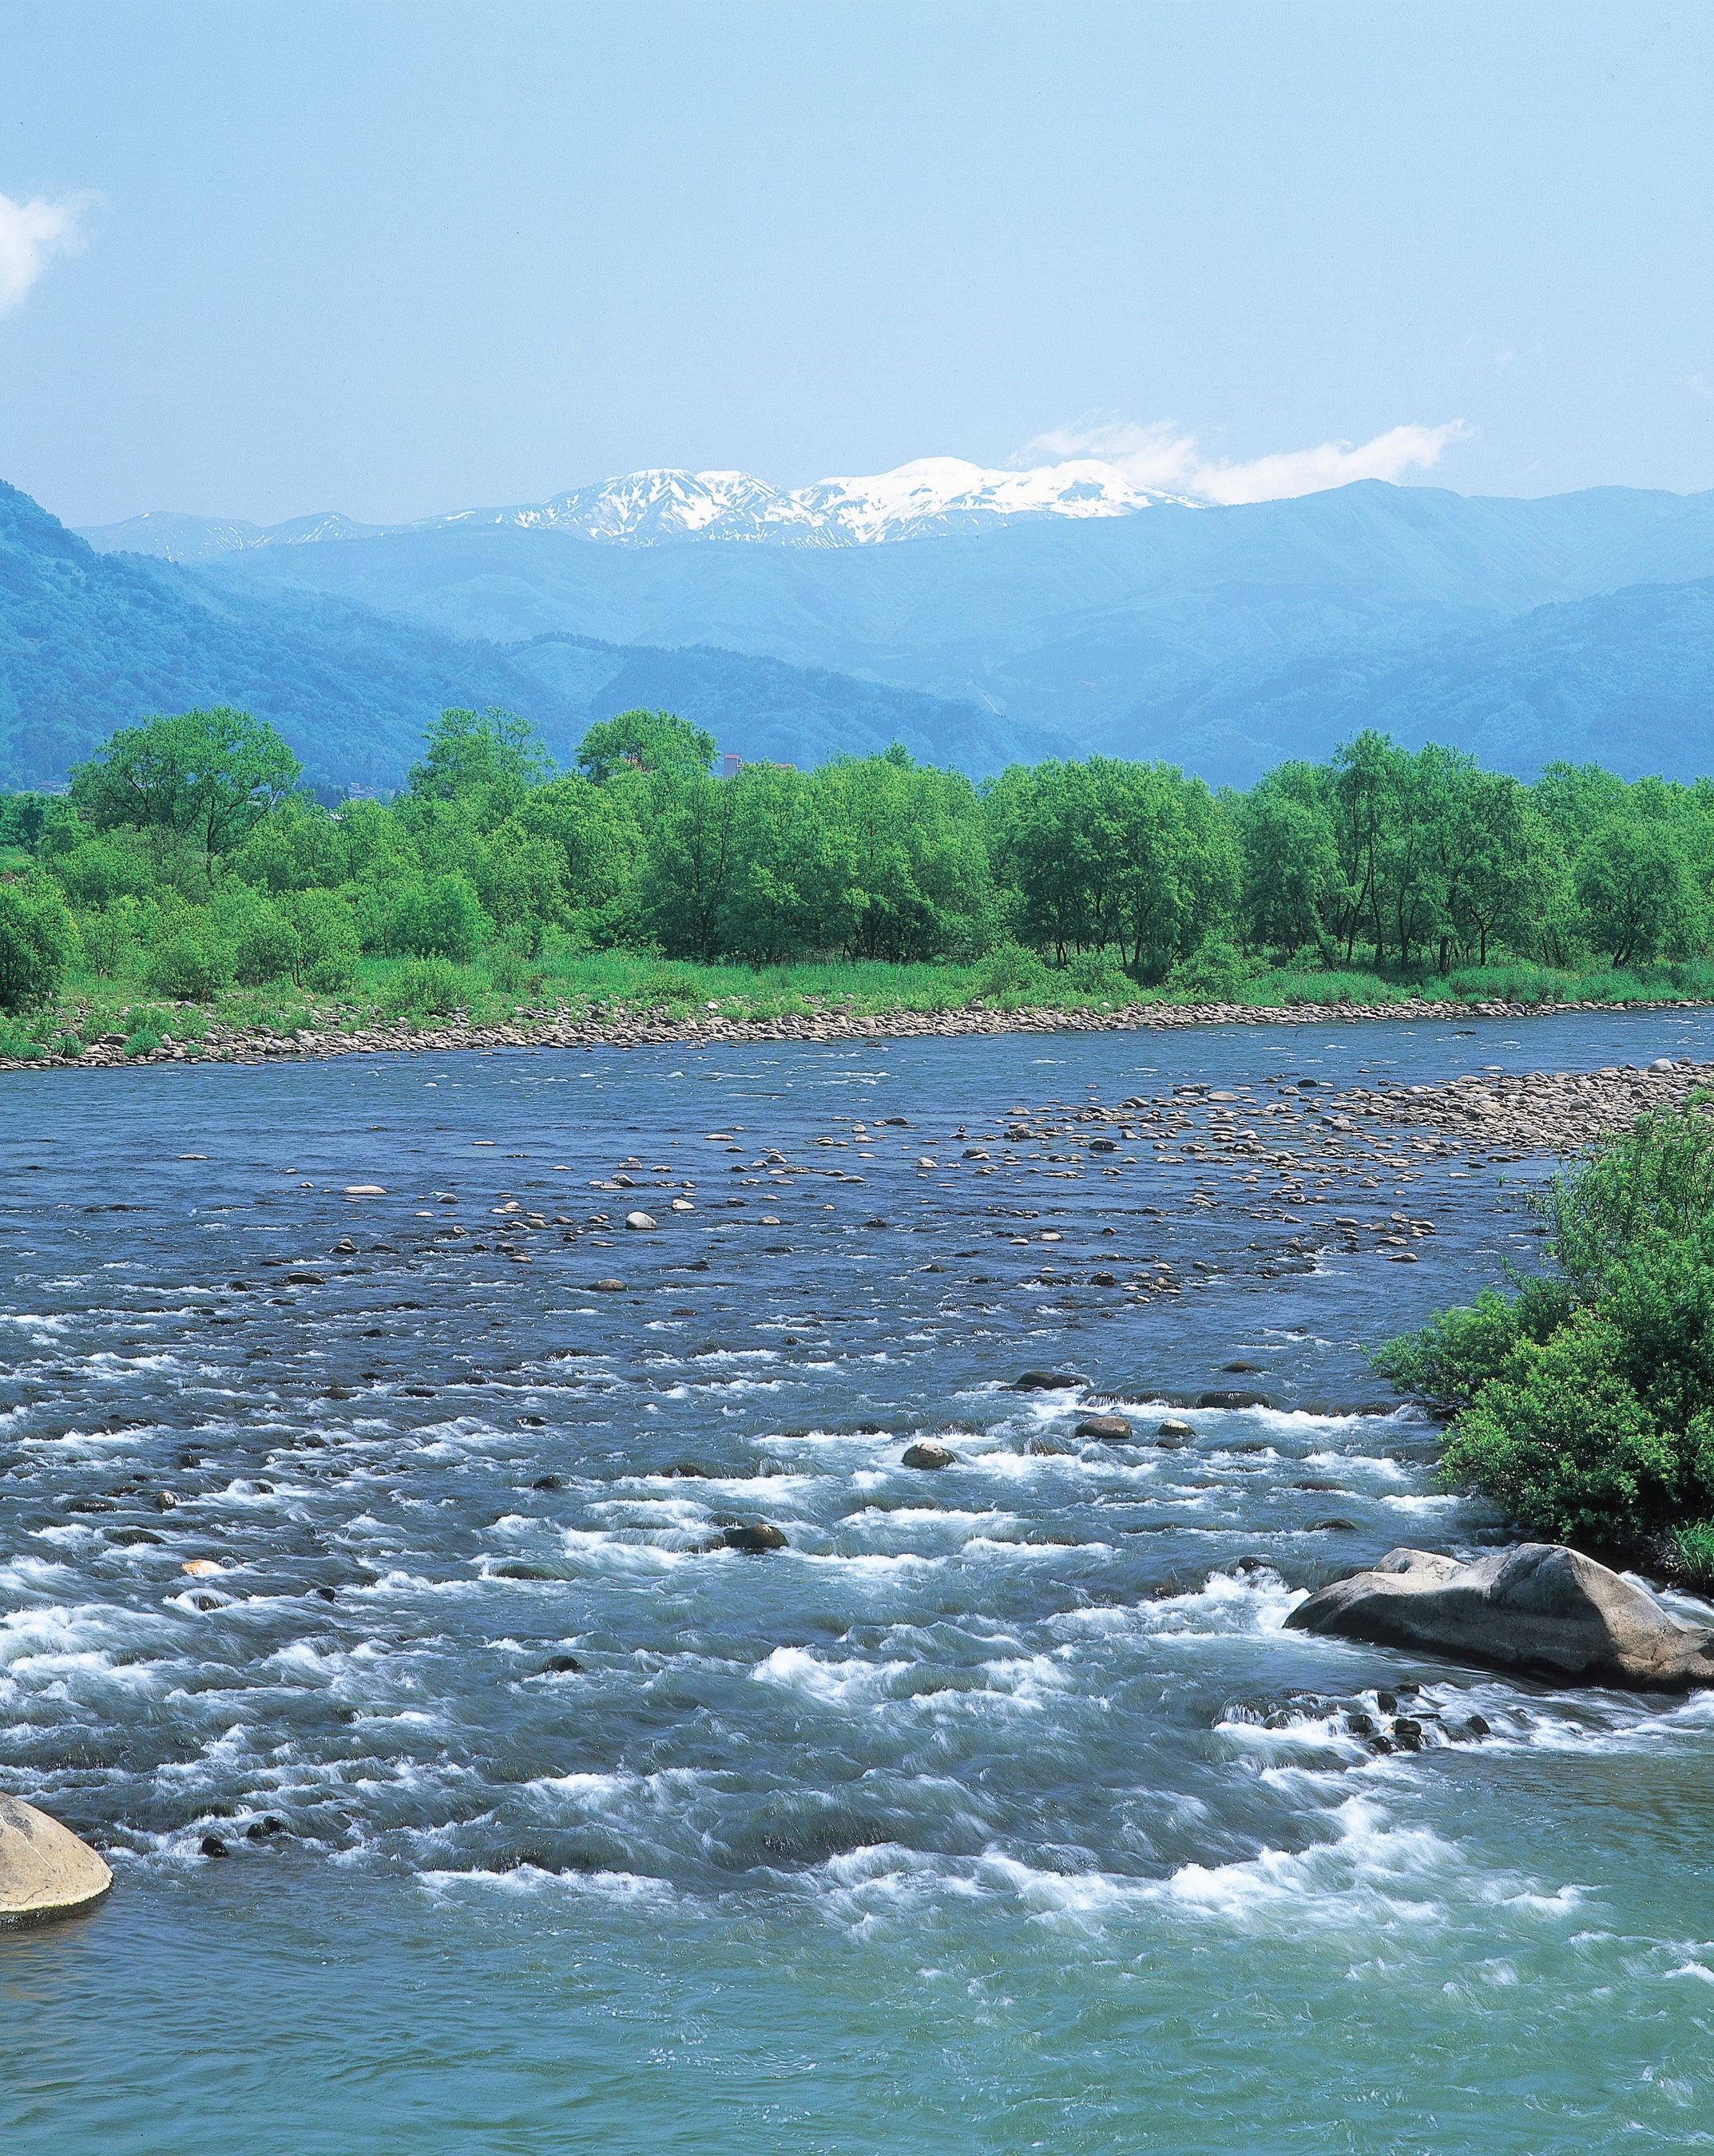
x=925 y=500
x=1060 y=617
x=90 y=642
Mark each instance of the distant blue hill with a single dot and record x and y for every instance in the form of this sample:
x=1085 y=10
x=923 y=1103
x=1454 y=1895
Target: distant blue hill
x=1227 y=637
x=89 y=642
x=1626 y=679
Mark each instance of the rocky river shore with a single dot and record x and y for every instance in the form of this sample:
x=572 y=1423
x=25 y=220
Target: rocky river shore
x=543 y=1029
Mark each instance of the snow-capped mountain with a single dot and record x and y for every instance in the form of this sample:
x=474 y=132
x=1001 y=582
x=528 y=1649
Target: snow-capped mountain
x=932 y=495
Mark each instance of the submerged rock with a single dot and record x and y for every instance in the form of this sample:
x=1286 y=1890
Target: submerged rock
x=1046 y=1381
x=45 y=1872
x=754 y=1540
x=1538 y=1607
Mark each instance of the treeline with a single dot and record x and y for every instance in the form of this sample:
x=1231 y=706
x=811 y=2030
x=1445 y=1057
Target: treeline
x=188 y=851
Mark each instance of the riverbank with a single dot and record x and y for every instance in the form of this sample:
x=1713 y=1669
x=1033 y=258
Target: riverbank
x=258 y=1043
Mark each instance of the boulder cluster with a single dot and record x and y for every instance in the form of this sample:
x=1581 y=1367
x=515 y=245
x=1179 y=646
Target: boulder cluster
x=1558 y=1110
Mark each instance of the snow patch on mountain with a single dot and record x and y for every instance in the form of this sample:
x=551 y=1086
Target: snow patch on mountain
x=928 y=497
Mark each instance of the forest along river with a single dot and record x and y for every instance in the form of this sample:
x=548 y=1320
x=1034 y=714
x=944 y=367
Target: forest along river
x=482 y=1799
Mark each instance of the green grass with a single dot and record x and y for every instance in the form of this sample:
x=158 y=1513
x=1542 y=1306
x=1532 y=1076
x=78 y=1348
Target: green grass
x=1693 y=1549
x=619 y=987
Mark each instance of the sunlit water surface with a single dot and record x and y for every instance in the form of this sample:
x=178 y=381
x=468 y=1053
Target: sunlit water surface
x=997 y=1812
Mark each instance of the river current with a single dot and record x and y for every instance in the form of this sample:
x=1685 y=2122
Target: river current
x=479 y=1798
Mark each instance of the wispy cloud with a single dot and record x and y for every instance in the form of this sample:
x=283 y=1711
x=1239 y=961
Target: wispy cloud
x=1163 y=457
x=31 y=235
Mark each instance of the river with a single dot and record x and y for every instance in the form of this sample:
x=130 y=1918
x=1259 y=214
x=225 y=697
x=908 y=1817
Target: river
x=481 y=1800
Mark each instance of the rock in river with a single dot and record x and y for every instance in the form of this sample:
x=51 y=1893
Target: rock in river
x=1538 y=1607
x=1107 y=1426
x=754 y=1540
x=926 y=1452
x=1046 y=1381
x=639 y=1220
x=45 y=1872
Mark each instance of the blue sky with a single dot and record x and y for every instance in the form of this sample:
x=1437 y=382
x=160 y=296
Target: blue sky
x=259 y=259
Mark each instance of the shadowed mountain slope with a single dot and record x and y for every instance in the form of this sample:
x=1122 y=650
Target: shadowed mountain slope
x=89 y=642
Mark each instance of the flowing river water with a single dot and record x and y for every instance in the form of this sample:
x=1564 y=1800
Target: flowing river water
x=482 y=1800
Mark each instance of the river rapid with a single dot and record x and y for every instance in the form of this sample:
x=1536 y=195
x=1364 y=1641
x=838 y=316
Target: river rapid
x=481 y=1799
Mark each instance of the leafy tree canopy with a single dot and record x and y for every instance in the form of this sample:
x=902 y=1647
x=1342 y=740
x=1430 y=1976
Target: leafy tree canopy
x=208 y=777
x=470 y=750
x=645 y=741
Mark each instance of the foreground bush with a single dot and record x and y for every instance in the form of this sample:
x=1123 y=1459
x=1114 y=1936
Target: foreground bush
x=1585 y=1400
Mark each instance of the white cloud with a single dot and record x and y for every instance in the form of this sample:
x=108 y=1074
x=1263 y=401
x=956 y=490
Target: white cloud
x=1161 y=456
x=31 y=234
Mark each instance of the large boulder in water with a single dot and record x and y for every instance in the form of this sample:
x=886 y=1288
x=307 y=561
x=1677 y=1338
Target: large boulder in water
x=1540 y=1607
x=45 y=1872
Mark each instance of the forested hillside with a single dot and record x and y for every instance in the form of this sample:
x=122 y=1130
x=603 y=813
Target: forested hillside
x=90 y=642
x=1626 y=679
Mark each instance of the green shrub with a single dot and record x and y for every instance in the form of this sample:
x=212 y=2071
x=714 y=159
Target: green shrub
x=671 y=984
x=1656 y=1178
x=1213 y=974
x=38 y=942
x=142 y=1042
x=1586 y=1400
x=512 y=974
x=1096 y=975
x=426 y=987
x=188 y=967
x=263 y=943
x=110 y=937
x=328 y=945
x=1457 y=1351
x=443 y=919
x=1012 y=975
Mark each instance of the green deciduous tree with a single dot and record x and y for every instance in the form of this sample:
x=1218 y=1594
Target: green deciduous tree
x=647 y=741
x=207 y=778
x=1639 y=896
x=1109 y=856
x=480 y=751
x=918 y=857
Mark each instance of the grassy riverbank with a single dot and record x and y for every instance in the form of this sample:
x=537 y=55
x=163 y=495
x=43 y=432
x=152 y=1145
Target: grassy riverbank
x=621 y=988
x=1582 y=1401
